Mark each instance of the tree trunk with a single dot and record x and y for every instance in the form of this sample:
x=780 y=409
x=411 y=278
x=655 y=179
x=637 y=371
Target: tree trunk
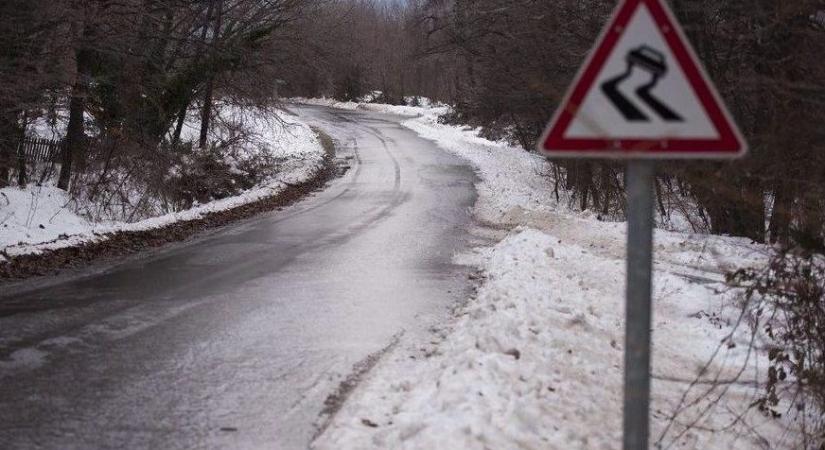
x=779 y=227
x=21 y=156
x=607 y=187
x=749 y=211
x=206 y=113
x=584 y=181
x=179 y=126
x=660 y=200
x=808 y=231
x=75 y=134
x=570 y=171
x=8 y=136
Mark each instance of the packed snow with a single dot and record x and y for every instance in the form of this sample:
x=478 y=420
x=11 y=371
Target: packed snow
x=535 y=359
x=40 y=218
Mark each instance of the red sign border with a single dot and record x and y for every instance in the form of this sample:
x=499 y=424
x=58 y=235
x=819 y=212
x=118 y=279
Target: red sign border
x=730 y=143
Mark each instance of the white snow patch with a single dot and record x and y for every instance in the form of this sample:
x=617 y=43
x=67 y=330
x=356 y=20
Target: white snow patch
x=428 y=108
x=37 y=214
x=328 y=102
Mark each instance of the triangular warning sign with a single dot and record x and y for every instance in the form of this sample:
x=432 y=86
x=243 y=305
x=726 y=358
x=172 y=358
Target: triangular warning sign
x=642 y=94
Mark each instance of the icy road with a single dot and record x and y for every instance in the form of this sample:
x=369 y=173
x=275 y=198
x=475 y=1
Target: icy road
x=236 y=339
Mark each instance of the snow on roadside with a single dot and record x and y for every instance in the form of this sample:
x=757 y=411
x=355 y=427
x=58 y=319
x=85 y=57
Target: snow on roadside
x=398 y=110
x=323 y=101
x=401 y=110
x=41 y=218
x=535 y=360
x=37 y=214
x=517 y=189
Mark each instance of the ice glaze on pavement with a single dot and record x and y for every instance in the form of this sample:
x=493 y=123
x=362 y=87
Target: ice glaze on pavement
x=235 y=340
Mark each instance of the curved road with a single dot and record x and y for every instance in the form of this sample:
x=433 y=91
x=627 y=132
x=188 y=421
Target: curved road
x=235 y=339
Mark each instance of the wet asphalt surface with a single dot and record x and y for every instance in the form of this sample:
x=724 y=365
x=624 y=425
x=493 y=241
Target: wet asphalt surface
x=235 y=339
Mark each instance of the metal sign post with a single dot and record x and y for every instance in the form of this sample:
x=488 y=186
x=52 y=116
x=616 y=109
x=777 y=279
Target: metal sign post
x=674 y=112
x=640 y=175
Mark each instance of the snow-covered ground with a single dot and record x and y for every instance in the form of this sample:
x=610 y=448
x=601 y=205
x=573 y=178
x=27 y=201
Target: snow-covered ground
x=44 y=217
x=535 y=359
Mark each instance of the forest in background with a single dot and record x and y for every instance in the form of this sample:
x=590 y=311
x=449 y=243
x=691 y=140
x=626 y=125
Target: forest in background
x=125 y=75
x=134 y=70
x=504 y=65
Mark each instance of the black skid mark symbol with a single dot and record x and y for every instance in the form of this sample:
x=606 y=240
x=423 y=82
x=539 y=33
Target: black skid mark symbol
x=625 y=106
x=652 y=62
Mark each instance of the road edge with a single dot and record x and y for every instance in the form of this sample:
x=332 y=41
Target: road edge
x=125 y=243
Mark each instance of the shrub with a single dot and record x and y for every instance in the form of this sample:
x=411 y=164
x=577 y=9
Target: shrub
x=788 y=305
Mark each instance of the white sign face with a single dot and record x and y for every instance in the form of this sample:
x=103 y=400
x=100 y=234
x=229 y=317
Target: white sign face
x=642 y=62
x=642 y=94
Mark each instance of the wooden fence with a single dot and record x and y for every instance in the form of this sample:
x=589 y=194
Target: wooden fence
x=41 y=149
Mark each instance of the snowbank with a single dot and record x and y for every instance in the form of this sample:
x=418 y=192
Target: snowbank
x=429 y=108
x=535 y=360
x=323 y=101
x=41 y=218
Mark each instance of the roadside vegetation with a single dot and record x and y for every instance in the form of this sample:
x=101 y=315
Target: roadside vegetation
x=130 y=116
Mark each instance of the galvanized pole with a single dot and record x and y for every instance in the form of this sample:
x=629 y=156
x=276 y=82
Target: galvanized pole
x=638 y=313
